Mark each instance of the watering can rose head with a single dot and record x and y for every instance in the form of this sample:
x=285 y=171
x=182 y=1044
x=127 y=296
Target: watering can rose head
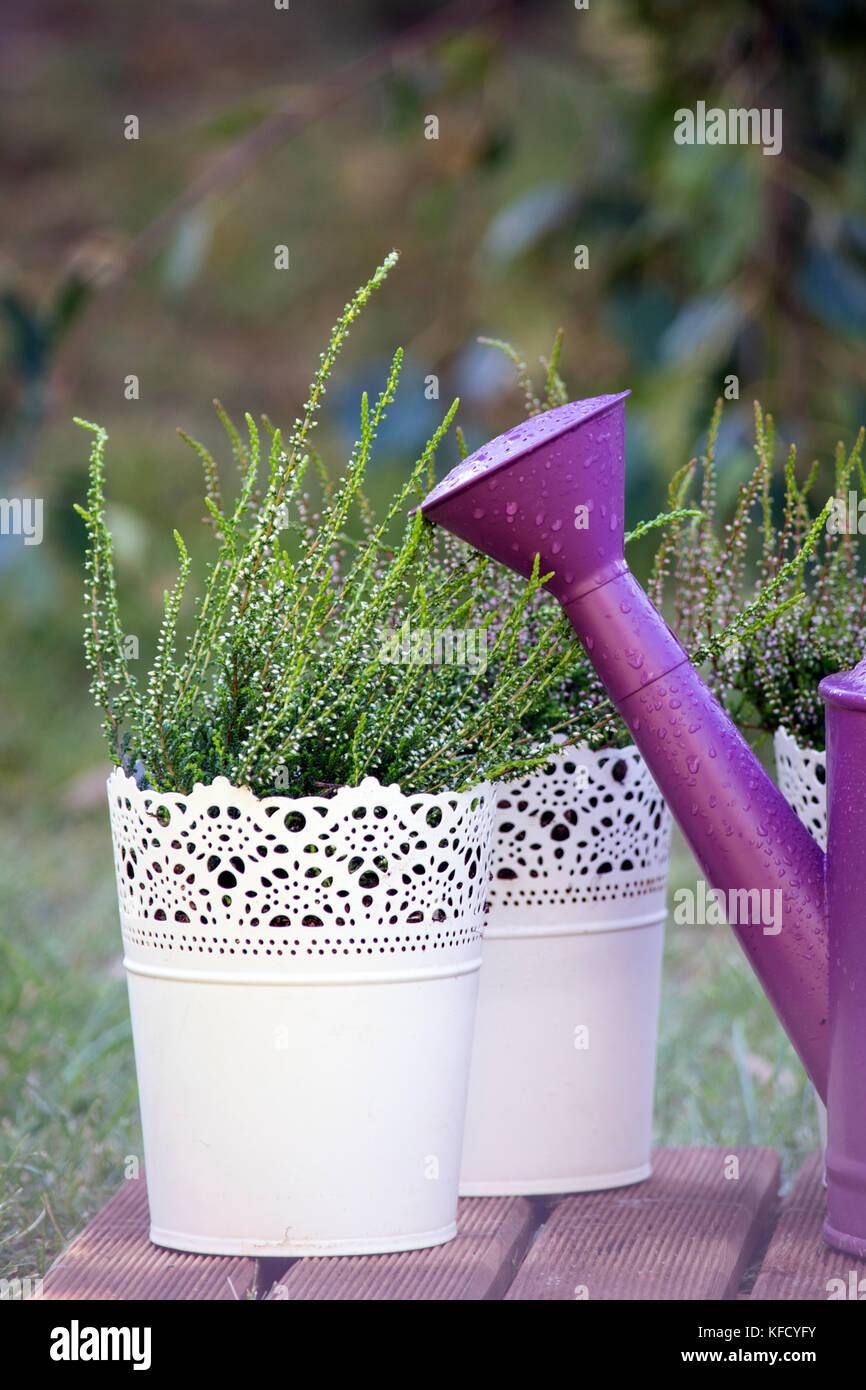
x=553 y=486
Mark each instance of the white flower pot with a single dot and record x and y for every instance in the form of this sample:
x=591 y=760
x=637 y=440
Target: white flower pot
x=563 y=1062
x=802 y=777
x=302 y=982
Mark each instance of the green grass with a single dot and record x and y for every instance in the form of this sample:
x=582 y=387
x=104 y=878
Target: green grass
x=67 y=1079
x=726 y=1074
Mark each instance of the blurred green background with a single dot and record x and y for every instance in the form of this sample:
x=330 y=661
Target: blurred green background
x=304 y=128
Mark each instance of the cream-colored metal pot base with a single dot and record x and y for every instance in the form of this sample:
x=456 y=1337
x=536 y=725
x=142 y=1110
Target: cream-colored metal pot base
x=383 y=1245
x=596 y=1183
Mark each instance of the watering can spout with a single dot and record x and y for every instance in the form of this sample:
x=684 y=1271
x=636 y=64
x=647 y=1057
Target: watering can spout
x=554 y=487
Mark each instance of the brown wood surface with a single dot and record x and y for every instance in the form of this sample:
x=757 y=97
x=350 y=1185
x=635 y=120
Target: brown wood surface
x=686 y=1233
x=797 y=1264
x=492 y=1236
x=113 y=1258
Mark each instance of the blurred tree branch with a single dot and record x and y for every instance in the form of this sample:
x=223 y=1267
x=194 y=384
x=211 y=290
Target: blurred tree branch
x=234 y=163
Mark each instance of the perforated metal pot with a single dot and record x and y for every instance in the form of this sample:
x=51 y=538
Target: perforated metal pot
x=563 y=1063
x=302 y=981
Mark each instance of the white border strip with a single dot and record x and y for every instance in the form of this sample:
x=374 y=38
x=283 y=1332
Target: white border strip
x=649 y=919
x=205 y=977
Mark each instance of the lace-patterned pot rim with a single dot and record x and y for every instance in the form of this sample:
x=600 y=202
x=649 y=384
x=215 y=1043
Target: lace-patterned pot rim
x=369 y=885
x=581 y=847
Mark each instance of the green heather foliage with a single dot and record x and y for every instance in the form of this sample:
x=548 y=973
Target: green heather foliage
x=281 y=685
x=767 y=675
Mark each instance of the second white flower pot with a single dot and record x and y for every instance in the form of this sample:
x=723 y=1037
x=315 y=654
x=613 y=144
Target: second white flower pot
x=563 y=1064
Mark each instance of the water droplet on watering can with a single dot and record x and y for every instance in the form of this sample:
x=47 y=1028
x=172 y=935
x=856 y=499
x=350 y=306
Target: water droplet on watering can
x=511 y=509
x=589 y=643
x=634 y=659
x=539 y=520
x=693 y=764
x=479 y=513
x=556 y=525
x=712 y=801
x=675 y=704
x=556 y=547
x=625 y=607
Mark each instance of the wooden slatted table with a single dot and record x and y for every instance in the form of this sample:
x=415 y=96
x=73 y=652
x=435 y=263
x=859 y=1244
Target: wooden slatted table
x=708 y=1224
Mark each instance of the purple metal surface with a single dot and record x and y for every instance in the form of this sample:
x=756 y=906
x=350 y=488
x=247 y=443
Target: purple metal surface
x=554 y=487
x=845 y=698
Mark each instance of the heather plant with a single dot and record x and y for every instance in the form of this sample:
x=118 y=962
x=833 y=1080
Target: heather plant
x=767 y=676
x=282 y=685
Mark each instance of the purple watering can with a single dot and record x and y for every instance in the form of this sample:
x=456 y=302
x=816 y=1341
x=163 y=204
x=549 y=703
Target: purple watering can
x=554 y=487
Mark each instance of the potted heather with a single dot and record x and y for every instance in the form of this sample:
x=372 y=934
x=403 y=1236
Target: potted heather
x=301 y=830
x=768 y=679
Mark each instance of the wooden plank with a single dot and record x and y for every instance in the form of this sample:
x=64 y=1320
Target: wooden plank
x=797 y=1264
x=685 y=1233
x=492 y=1236
x=113 y=1258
